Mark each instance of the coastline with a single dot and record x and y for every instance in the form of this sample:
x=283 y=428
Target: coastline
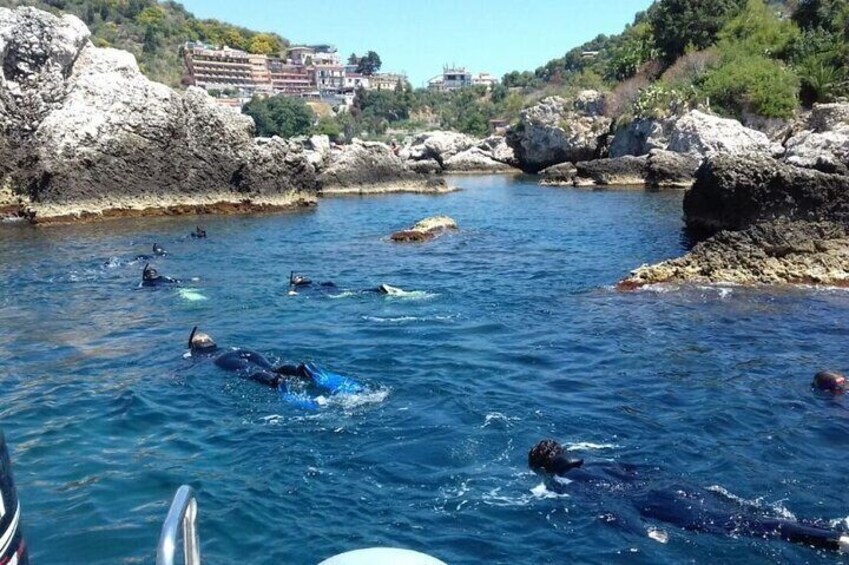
x=408 y=187
x=141 y=207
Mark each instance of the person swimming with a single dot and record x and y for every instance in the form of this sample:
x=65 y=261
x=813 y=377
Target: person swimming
x=300 y=282
x=199 y=233
x=829 y=381
x=151 y=277
x=291 y=380
x=157 y=252
x=684 y=506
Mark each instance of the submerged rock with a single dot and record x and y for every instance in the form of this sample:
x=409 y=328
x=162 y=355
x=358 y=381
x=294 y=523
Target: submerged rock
x=425 y=230
x=83 y=132
x=557 y=130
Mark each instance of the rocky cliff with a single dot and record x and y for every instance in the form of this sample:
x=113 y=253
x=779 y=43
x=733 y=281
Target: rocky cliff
x=83 y=132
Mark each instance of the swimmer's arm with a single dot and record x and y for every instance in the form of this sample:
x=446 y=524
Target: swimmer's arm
x=796 y=532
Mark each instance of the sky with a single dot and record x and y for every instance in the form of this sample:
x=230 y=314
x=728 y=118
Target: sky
x=418 y=37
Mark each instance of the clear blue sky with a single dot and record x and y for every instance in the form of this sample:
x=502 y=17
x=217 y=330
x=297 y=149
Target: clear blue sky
x=419 y=36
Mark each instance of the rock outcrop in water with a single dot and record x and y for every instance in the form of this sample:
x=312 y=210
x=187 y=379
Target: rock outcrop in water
x=771 y=223
x=82 y=131
x=451 y=152
x=825 y=145
x=425 y=230
x=558 y=130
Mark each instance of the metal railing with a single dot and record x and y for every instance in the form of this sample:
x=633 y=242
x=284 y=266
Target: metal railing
x=183 y=512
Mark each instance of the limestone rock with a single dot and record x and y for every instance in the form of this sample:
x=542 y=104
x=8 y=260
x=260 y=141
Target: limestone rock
x=439 y=146
x=425 y=230
x=496 y=147
x=557 y=130
x=475 y=160
x=704 y=134
x=735 y=192
x=559 y=175
x=665 y=169
x=781 y=252
x=365 y=163
x=620 y=171
x=83 y=131
x=640 y=137
x=825 y=145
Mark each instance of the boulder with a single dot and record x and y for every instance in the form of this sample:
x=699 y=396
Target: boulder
x=825 y=145
x=364 y=164
x=640 y=137
x=704 y=134
x=735 y=192
x=559 y=175
x=496 y=147
x=425 y=167
x=665 y=169
x=425 y=230
x=475 y=160
x=620 y=171
x=83 y=131
x=557 y=130
x=781 y=252
x=438 y=146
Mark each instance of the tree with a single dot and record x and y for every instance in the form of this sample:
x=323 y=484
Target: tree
x=759 y=30
x=369 y=64
x=280 y=115
x=234 y=38
x=353 y=59
x=151 y=17
x=264 y=44
x=679 y=25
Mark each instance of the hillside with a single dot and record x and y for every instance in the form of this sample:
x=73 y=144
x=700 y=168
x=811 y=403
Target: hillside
x=154 y=31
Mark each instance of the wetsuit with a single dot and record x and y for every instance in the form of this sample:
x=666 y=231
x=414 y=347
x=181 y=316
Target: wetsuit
x=285 y=378
x=688 y=508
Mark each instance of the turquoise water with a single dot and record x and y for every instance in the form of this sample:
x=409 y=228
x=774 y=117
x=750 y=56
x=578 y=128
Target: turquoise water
x=517 y=335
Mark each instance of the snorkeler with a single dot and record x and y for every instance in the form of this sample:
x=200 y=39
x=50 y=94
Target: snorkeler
x=158 y=251
x=286 y=378
x=150 y=277
x=689 y=508
x=829 y=381
x=300 y=282
x=199 y=233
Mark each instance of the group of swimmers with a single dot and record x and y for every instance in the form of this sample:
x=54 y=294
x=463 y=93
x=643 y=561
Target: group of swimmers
x=685 y=506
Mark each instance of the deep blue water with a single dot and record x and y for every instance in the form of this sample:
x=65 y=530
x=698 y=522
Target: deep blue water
x=519 y=336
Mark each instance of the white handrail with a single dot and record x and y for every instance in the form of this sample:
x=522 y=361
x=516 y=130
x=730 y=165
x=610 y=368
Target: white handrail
x=183 y=512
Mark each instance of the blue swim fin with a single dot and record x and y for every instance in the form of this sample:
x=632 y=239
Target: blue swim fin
x=298 y=399
x=332 y=382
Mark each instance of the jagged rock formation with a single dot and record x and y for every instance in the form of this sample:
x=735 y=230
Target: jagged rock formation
x=444 y=151
x=640 y=137
x=704 y=134
x=825 y=146
x=665 y=169
x=558 y=130
x=620 y=171
x=772 y=223
x=82 y=131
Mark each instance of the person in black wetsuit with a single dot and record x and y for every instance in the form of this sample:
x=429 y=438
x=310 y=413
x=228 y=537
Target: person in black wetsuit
x=290 y=380
x=151 y=277
x=300 y=282
x=683 y=506
x=829 y=381
x=199 y=233
x=157 y=252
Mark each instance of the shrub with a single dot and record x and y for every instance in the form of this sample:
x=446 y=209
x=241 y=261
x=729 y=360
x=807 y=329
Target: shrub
x=622 y=99
x=752 y=84
x=691 y=68
x=660 y=100
x=280 y=115
x=678 y=25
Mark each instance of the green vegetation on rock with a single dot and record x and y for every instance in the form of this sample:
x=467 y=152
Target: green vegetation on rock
x=155 y=31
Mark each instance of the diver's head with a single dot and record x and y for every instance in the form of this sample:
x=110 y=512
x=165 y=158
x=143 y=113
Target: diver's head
x=149 y=273
x=157 y=249
x=829 y=381
x=549 y=456
x=200 y=342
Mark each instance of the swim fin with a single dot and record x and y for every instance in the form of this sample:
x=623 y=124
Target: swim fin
x=299 y=399
x=332 y=382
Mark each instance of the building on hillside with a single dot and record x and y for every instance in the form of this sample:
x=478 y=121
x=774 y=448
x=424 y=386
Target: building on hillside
x=387 y=81
x=219 y=69
x=310 y=55
x=353 y=81
x=484 y=79
x=289 y=79
x=329 y=77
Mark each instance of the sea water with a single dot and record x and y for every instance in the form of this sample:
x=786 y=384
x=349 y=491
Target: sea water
x=514 y=333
